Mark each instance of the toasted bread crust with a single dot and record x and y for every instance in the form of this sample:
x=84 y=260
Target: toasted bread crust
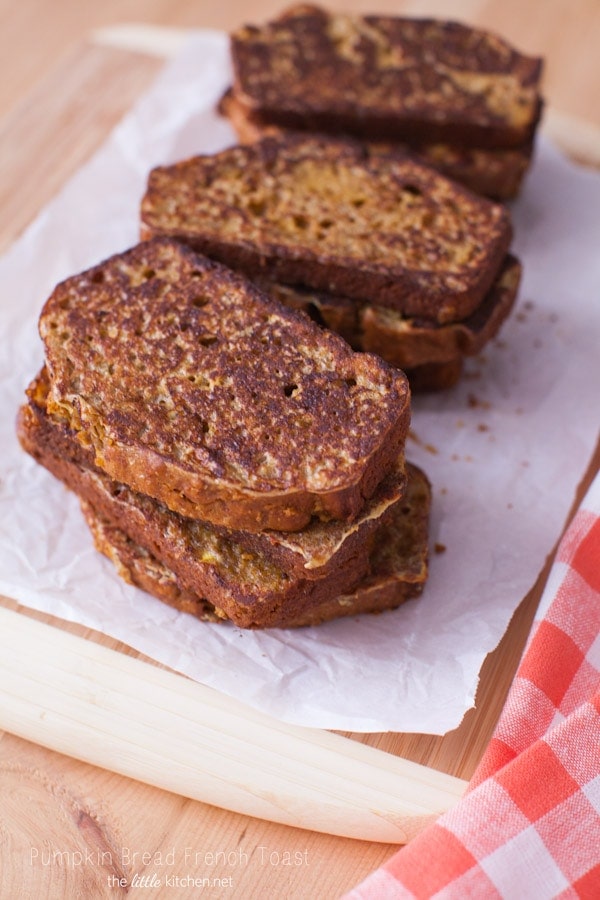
x=384 y=77
x=246 y=587
x=227 y=580
x=415 y=342
x=497 y=174
x=408 y=342
x=195 y=388
x=399 y=566
x=328 y=214
x=316 y=551
x=399 y=561
x=138 y=567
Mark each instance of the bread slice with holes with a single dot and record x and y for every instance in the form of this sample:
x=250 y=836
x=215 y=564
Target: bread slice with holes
x=399 y=564
x=194 y=387
x=198 y=567
x=319 y=550
x=331 y=216
x=497 y=174
x=385 y=77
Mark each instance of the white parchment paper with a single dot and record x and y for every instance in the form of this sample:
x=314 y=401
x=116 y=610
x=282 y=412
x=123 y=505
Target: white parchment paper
x=504 y=450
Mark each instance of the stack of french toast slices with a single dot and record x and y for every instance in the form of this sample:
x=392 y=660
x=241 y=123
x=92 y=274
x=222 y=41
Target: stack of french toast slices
x=459 y=99
x=232 y=457
x=463 y=99
x=230 y=398
x=397 y=258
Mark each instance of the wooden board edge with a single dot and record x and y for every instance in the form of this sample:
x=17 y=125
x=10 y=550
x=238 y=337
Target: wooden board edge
x=118 y=712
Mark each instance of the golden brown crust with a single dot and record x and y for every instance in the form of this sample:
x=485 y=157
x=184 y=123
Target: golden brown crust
x=497 y=174
x=384 y=77
x=327 y=214
x=138 y=567
x=245 y=586
x=195 y=388
x=408 y=342
x=399 y=562
x=226 y=578
x=494 y=173
x=316 y=551
x=398 y=565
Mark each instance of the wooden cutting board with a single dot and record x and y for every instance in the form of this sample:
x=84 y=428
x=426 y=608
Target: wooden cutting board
x=58 y=687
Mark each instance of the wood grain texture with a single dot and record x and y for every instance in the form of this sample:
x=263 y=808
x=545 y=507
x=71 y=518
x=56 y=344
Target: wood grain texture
x=48 y=799
x=97 y=825
x=71 y=830
x=82 y=99
x=104 y=707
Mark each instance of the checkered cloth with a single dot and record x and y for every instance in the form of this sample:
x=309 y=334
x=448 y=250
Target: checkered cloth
x=528 y=827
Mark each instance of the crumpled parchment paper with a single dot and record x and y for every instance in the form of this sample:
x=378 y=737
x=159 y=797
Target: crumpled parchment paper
x=504 y=450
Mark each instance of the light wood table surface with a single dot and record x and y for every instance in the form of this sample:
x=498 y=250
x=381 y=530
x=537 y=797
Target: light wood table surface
x=60 y=94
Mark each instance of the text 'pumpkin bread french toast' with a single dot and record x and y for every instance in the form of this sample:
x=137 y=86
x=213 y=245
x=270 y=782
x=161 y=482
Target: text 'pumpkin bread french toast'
x=385 y=77
x=328 y=214
x=194 y=387
x=207 y=570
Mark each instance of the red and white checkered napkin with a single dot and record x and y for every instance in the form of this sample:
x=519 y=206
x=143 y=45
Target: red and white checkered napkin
x=528 y=827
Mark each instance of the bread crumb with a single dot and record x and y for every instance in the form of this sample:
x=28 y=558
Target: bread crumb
x=475 y=403
x=420 y=443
